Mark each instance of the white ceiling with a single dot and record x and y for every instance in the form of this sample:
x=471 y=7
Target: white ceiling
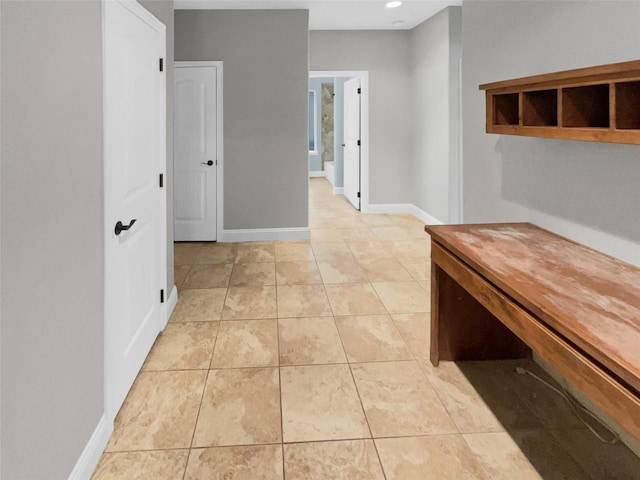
x=338 y=14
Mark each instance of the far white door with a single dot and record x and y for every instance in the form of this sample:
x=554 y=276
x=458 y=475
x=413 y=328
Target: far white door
x=135 y=203
x=196 y=159
x=352 y=141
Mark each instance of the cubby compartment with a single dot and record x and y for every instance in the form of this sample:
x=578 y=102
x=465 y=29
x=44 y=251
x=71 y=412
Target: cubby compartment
x=505 y=109
x=628 y=105
x=586 y=107
x=540 y=108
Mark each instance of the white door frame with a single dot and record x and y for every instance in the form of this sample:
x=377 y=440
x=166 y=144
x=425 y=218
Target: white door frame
x=459 y=180
x=363 y=75
x=142 y=13
x=219 y=139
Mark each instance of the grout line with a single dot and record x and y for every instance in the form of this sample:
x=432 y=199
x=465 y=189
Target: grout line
x=284 y=474
x=231 y=445
x=367 y=420
x=195 y=426
x=355 y=439
x=215 y=343
x=186 y=464
x=137 y=450
x=204 y=387
x=263 y=319
x=319 y=200
x=327 y=440
x=360 y=400
x=439 y=396
x=179 y=287
x=249 y=367
x=279 y=372
x=404 y=337
x=349 y=365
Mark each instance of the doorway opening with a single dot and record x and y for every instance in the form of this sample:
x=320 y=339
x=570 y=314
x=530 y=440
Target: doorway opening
x=349 y=117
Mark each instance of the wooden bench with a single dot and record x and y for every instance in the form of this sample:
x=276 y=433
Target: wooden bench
x=499 y=291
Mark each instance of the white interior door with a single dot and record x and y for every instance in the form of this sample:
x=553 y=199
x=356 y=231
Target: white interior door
x=195 y=153
x=135 y=156
x=352 y=142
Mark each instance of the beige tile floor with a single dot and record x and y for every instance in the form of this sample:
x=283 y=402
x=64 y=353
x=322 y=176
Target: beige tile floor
x=308 y=360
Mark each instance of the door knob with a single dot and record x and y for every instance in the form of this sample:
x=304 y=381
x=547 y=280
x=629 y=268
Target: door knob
x=344 y=145
x=209 y=162
x=120 y=227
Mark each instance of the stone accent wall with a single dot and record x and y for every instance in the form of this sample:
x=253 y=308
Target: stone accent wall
x=327 y=123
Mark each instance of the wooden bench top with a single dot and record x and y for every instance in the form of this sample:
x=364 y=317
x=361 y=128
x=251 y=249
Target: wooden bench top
x=589 y=298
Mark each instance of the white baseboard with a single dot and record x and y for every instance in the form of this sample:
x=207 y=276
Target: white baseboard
x=338 y=190
x=382 y=208
x=424 y=216
x=317 y=174
x=92 y=452
x=266 y=234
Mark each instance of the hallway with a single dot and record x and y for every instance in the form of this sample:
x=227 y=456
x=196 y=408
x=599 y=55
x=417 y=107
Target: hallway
x=309 y=360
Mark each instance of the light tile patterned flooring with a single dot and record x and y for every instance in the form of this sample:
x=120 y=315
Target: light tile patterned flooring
x=308 y=360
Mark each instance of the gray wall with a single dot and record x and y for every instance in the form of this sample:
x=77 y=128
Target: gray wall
x=386 y=55
x=455 y=112
x=435 y=51
x=52 y=228
x=586 y=191
x=163 y=11
x=265 y=55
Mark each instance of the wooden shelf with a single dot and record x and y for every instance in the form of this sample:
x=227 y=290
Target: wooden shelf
x=598 y=104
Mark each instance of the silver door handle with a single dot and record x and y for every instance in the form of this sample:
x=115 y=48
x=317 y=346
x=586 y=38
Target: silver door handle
x=209 y=162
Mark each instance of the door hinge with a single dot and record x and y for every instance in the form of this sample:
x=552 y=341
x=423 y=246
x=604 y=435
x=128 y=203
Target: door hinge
x=161 y=180
x=358 y=142
x=359 y=90
x=162 y=296
x=162 y=64
x=358 y=194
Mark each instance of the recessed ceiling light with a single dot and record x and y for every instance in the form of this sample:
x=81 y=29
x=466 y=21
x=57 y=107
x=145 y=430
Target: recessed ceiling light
x=394 y=4
x=397 y=23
